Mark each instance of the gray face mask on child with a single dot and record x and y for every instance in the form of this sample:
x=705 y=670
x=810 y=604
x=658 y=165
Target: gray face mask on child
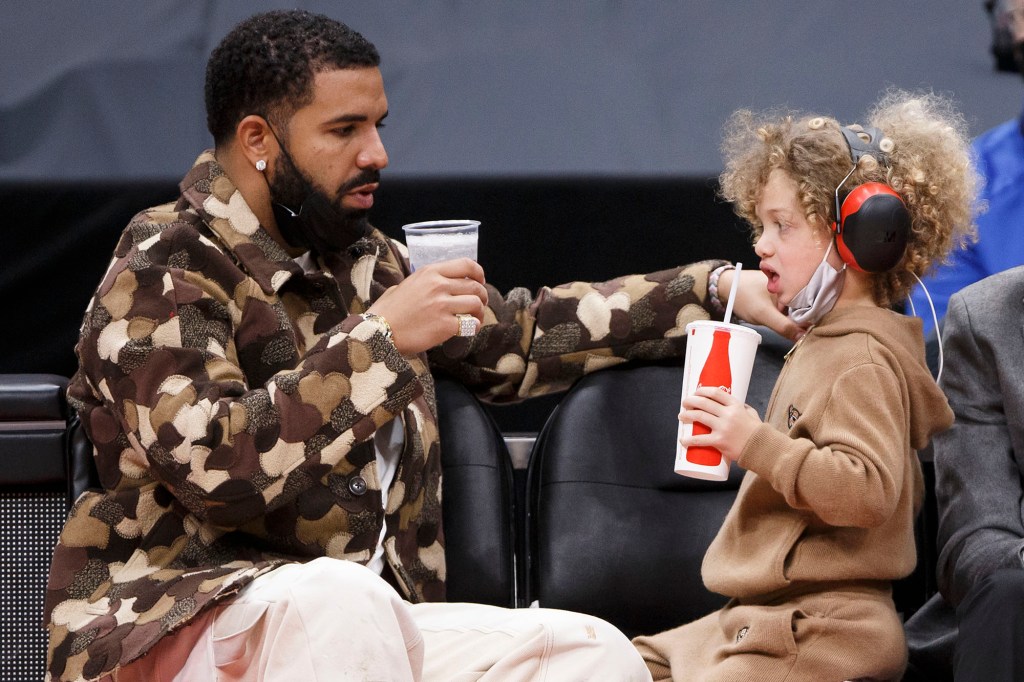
x=816 y=299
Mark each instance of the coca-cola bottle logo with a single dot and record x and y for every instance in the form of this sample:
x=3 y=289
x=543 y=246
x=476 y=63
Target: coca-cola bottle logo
x=715 y=372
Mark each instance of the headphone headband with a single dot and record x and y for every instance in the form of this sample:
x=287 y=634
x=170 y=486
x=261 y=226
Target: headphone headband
x=861 y=147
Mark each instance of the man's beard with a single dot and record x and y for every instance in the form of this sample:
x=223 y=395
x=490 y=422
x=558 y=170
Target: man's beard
x=307 y=217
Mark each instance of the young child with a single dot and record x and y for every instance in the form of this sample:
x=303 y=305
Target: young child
x=824 y=520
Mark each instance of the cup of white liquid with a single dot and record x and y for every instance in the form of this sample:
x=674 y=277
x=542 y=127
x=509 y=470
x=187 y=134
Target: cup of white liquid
x=440 y=240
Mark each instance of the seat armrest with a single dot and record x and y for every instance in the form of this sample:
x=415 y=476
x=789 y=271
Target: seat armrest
x=33 y=398
x=33 y=423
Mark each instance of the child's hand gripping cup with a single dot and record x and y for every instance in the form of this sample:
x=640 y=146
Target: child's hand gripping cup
x=717 y=354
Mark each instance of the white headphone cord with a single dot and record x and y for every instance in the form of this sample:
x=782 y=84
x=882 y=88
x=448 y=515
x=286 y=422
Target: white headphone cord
x=935 y=321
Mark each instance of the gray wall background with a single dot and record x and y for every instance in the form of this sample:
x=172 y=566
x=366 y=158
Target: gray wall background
x=111 y=90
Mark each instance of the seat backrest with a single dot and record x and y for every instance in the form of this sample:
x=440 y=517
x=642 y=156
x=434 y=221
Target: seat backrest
x=612 y=529
x=479 y=501
x=33 y=505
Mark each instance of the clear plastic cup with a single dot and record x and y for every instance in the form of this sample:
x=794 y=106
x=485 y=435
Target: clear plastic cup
x=440 y=240
x=717 y=354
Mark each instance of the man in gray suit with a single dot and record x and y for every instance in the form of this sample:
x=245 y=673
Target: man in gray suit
x=979 y=466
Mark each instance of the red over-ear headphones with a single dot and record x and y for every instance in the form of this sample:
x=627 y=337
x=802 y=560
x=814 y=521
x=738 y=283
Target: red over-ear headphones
x=872 y=222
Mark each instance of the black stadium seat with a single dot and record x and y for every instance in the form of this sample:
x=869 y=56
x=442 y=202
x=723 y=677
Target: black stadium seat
x=612 y=529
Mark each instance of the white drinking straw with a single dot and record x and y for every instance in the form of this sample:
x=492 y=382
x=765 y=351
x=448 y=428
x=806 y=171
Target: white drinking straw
x=732 y=293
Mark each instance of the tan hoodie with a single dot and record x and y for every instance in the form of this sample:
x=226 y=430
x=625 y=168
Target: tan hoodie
x=833 y=483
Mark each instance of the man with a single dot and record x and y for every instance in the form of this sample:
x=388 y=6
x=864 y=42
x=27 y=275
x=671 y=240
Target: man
x=979 y=465
x=975 y=629
x=999 y=155
x=255 y=380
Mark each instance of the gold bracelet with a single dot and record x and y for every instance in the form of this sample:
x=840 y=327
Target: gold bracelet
x=388 y=335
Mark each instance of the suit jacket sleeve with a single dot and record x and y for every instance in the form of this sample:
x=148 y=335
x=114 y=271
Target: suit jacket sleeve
x=978 y=481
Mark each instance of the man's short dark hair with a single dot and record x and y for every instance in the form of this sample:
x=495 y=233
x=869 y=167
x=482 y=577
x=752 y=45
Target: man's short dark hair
x=266 y=65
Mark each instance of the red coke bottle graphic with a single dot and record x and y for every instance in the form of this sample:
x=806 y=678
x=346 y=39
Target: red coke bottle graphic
x=716 y=372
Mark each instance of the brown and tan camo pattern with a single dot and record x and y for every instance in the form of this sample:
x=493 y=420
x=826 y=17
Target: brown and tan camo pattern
x=231 y=396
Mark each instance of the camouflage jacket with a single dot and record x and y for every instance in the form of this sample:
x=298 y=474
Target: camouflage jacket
x=231 y=399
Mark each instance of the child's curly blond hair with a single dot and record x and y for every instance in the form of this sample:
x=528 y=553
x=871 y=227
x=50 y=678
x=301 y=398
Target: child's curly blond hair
x=929 y=165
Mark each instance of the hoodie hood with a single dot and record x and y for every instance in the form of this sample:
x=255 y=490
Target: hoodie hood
x=902 y=337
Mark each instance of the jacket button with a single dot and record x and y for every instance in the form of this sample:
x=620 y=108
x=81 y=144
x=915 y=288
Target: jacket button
x=357 y=485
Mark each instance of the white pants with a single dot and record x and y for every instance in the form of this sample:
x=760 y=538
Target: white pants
x=337 y=620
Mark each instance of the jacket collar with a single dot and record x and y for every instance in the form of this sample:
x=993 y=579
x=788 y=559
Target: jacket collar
x=210 y=192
